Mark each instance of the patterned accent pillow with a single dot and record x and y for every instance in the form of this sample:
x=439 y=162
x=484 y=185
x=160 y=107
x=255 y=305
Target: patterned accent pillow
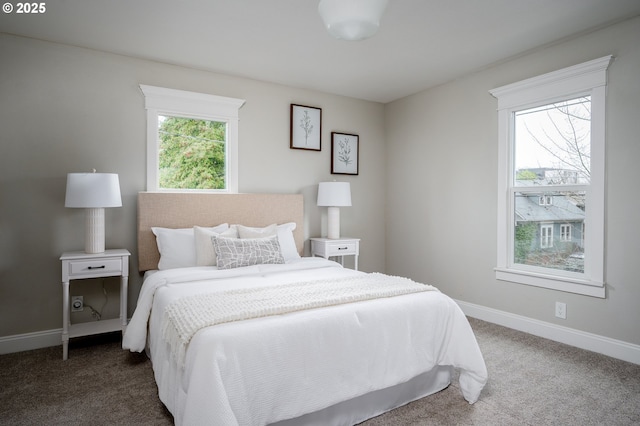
x=234 y=253
x=283 y=231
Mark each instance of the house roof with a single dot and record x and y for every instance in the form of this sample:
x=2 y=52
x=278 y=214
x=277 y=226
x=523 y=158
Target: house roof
x=562 y=209
x=420 y=43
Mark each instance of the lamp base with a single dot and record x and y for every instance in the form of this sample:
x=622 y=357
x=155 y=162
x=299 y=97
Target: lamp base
x=94 y=230
x=333 y=223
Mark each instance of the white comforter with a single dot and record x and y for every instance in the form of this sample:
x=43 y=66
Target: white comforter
x=263 y=370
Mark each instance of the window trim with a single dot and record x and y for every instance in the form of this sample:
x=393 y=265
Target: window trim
x=565 y=232
x=546 y=235
x=545 y=200
x=589 y=78
x=180 y=103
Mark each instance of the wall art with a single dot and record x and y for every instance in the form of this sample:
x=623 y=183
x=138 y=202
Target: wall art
x=306 y=127
x=345 y=152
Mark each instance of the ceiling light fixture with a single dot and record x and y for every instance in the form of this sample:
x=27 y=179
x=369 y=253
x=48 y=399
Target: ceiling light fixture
x=351 y=19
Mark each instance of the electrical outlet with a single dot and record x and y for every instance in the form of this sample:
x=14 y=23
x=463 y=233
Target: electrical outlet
x=561 y=310
x=77 y=304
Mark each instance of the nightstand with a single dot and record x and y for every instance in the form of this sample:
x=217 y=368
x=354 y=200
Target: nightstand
x=79 y=265
x=325 y=247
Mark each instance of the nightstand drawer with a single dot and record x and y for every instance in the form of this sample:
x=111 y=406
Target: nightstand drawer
x=339 y=249
x=97 y=266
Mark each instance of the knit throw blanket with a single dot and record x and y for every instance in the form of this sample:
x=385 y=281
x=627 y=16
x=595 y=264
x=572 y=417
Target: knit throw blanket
x=184 y=317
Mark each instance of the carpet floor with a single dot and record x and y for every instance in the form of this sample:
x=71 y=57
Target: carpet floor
x=532 y=381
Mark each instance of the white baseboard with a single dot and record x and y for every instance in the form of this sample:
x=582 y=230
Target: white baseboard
x=580 y=339
x=29 y=341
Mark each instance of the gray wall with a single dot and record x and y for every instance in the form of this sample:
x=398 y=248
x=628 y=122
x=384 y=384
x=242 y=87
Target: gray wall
x=442 y=179
x=66 y=109
x=424 y=202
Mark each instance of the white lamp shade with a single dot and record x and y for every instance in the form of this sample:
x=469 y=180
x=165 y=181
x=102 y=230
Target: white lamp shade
x=352 y=19
x=92 y=190
x=334 y=194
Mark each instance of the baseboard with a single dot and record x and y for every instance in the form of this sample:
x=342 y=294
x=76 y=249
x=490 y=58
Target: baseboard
x=580 y=339
x=30 y=341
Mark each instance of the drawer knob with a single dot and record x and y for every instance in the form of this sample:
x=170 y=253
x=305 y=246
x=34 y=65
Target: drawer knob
x=342 y=248
x=96 y=267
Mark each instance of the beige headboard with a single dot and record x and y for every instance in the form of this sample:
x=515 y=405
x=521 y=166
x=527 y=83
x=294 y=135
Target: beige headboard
x=184 y=210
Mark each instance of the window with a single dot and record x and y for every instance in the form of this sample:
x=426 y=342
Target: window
x=545 y=200
x=551 y=179
x=192 y=141
x=546 y=235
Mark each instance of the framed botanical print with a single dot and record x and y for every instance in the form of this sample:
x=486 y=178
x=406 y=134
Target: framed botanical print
x=306 y=127
x=344 y=153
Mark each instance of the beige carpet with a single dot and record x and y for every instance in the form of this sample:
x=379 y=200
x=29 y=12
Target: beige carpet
x=532 y=381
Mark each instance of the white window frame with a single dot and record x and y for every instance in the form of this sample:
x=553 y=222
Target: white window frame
x=180 y=103
x=546 y=235
x=545 y=200
x=586 y=79
x=565 y=232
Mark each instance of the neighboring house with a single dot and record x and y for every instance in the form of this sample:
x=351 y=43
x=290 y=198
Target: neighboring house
x=549 y=225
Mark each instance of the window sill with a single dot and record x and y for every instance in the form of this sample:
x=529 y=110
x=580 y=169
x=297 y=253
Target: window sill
x=584 y=287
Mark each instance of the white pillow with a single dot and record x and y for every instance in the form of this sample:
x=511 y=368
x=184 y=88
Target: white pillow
x=205 y=254
x=287 y=242
x=177 y=247
x=283 y=231
x=251 y=232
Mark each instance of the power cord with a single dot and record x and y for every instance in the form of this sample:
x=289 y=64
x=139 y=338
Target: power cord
x=97 y=315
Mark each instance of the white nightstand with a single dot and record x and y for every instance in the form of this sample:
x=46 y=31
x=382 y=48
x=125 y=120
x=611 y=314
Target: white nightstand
x=325 y=247
x=79 y=265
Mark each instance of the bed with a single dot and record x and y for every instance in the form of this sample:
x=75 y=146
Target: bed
x=282 y=339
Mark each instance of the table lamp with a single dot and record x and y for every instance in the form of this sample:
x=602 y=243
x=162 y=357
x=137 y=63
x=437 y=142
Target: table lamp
x=93 y=192
x=334 y=195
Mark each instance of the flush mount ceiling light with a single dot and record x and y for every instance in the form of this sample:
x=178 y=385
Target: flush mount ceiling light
x=351 y=19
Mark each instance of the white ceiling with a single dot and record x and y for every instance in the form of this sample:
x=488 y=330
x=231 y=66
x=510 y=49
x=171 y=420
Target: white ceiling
x=421 y=43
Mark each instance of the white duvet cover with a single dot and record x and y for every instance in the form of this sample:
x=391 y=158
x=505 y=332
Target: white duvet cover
x=260 y=371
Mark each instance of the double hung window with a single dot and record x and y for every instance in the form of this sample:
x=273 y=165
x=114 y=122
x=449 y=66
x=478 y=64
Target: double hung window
x=551 y=179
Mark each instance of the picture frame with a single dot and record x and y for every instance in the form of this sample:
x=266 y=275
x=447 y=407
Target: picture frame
x=306 y=127
x=345 y=153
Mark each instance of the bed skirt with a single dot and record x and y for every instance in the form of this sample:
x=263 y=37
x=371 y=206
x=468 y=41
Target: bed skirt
x=373 y=404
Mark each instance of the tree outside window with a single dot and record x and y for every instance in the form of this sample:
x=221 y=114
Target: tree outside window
x=192 y=153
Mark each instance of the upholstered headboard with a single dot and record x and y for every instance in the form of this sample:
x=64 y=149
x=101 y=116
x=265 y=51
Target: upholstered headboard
x=184 y=210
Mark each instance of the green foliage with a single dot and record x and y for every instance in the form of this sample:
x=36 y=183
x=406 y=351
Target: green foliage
x=526 y=175
x=192 y=153
x=525 y=235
